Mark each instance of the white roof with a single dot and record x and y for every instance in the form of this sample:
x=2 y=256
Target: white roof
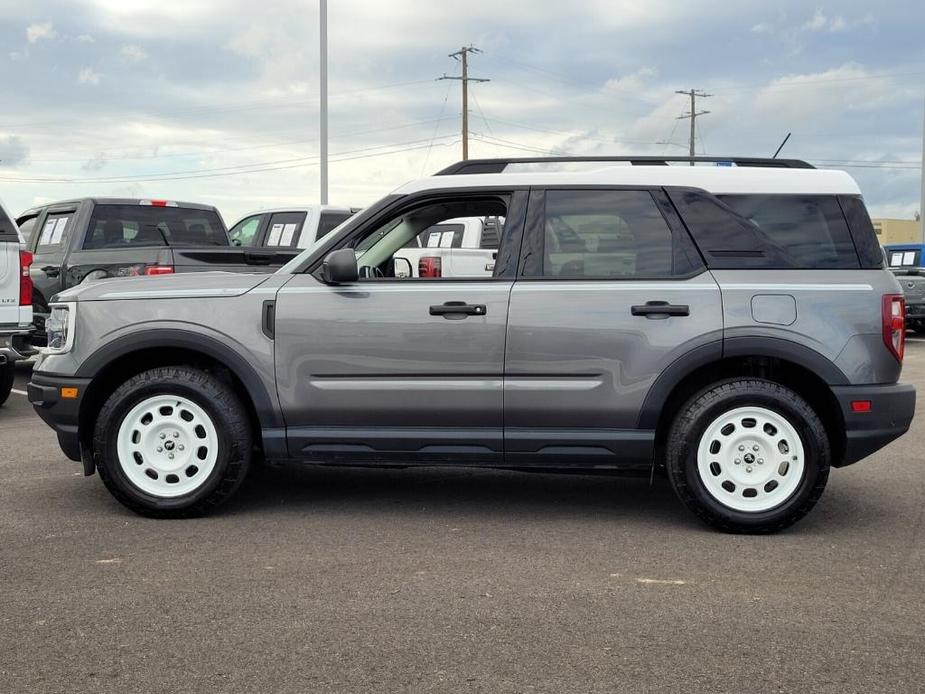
x=714 y=179
x=299 y=208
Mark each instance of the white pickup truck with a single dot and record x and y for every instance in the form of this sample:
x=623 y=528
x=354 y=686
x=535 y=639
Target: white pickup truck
x=15 y=301
x=289 y=227
x=462 y=247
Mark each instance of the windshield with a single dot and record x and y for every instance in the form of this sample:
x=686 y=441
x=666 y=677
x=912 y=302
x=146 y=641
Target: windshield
x=127 y=226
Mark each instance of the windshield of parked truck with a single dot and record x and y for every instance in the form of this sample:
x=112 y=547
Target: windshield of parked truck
x=133 y=226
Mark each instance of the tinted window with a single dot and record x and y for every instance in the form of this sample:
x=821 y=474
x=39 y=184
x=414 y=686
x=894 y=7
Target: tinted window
x=605 y=233
x=862 y=231
x=55 y=232
x=26 y=228
x=810 y=229
x=244 y=233
x=7 y=228
x=330 y=221
x=284 y=228
x=121 y=226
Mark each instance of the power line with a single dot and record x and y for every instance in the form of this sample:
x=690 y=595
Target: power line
x=462 y=55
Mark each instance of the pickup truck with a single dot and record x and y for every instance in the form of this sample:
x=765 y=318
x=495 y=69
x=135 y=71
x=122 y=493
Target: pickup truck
x=289 y=229
x=463 y=247
x=15 y=301
x=906 y=263
x=74 y=241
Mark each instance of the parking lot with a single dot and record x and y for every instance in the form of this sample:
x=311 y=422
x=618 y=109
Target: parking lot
x=455 y=580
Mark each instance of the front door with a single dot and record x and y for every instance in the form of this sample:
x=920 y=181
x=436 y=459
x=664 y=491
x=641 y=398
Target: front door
x=613 y=292
x=394 y=367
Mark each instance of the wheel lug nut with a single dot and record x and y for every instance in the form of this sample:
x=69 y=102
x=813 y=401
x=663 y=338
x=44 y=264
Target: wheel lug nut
x=163 y=436
x=160 y=449
x=176 y=435
x=170 y=455
x=181 y=448
x=754 y=448
x=738 y=461
x=741 y=448
x=747 y=469
x=761 y=461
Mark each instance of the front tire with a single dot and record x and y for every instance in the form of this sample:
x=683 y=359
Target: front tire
x=172 y=442
x=7 y=376
x=748 y=456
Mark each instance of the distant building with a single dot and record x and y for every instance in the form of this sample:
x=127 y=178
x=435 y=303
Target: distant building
x=898 y=231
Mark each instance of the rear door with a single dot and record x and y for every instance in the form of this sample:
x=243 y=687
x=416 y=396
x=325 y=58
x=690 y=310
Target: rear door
x=611 y=293
x=9 y=270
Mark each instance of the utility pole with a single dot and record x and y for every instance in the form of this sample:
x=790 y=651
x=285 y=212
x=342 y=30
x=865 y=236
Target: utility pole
x=462 y=55
x=323 y=119
x=693 y=94
x=922 y=199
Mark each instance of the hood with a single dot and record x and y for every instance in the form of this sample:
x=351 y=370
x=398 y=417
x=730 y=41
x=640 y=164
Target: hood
x=194 y=285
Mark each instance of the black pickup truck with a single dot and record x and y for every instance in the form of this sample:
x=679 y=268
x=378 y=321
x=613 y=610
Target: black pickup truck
x=92 y=238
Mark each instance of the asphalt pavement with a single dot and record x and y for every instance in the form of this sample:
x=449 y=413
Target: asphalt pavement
x=449 y=580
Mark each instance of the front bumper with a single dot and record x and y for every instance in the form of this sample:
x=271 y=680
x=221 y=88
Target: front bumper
x=61 y=414
x=891 y=410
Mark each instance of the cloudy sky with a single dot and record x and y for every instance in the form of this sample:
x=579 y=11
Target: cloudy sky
x=216 y=100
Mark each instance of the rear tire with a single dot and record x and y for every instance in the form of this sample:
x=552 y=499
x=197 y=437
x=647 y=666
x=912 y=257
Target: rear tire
x=7 y=376
x=172 y=442
x=748 y=456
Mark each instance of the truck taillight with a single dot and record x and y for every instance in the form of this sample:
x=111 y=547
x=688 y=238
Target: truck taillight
x=25 y=281
x=430 y=266
x=894 y=324
x=159 y=270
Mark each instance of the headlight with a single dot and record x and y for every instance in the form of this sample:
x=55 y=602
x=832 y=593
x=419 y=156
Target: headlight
x=60 y=328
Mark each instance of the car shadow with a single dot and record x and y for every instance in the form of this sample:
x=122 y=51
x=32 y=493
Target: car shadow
x=454 y=491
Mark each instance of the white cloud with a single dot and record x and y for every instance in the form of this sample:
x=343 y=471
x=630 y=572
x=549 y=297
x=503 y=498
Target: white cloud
x=13 y=151
x=133 y=53
x=85 y=38
x=834 y=24
x=38 y=31
x=88 y=75
x=818 y=22
x=632 y=82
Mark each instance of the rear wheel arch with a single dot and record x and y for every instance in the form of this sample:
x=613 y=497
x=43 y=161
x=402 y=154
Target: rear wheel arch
x=794 y=366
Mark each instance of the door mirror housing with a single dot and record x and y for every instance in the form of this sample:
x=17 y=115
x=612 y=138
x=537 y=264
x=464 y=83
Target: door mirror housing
x=340 y=267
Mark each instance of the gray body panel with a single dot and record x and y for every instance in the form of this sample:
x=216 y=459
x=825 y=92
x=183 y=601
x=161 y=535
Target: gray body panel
x=577 y=358
x=369 y=355
x=837 y=315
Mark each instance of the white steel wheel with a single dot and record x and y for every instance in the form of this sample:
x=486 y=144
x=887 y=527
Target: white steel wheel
x=751 y=459
x=167 y=446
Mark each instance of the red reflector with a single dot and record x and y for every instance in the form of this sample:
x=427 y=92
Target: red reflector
x=430 y=266
x=159 y=270
x=25 y=281
x=861 y=406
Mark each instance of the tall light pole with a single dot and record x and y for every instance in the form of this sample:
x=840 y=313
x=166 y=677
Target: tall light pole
x=922 y=198
x=323 y=119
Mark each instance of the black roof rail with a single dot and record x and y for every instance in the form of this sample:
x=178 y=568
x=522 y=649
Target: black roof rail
x=483 y=166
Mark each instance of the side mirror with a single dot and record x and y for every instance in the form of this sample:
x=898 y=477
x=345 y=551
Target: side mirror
x=340 y=267
x=402 y=268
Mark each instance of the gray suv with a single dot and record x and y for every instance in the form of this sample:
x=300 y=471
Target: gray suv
x=730 y=323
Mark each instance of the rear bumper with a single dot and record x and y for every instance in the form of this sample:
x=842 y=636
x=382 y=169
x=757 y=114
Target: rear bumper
x=891 y=410
x=61 y=414
x=15 y=344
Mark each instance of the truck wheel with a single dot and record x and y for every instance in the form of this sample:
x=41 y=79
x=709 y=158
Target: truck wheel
x=748 y=456
x=172 y=442
x=7 y=376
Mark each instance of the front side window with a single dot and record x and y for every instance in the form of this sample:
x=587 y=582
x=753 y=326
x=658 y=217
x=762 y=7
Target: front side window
x=432 y=242
x=27 y=228
x=244 y=233
x=605 y=234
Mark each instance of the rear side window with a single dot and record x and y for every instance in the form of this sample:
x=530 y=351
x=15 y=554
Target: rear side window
x=135 y=226
x=284 y=229
x=618 y=234
x=55 y=232
x=330 y=221
x=810 y=229
x=862 y=231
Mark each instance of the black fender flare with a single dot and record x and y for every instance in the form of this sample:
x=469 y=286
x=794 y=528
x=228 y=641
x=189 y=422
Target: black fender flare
x=267 y=413
x=715 y=352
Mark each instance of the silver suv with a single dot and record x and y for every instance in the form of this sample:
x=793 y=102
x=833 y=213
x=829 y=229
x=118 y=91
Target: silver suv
x=730 y=323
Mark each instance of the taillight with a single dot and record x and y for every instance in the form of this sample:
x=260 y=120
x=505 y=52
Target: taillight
x=894 y=324
x=430 y=266
x=159 y=270
x=25 y=281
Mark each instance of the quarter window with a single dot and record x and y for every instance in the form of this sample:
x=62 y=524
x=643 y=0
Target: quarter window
x=605 y=234
x=54 y=232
